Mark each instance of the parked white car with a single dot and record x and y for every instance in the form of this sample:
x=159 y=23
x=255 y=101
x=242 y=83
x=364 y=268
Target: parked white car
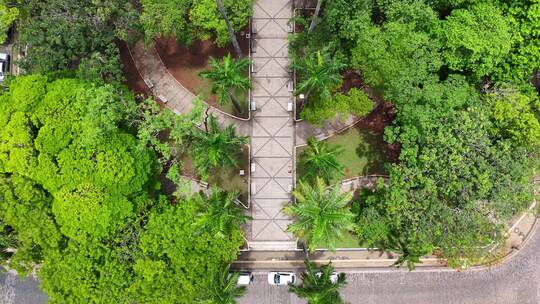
x=281 y=278
x=4 y=65
x=245 y=278
x=333 y=276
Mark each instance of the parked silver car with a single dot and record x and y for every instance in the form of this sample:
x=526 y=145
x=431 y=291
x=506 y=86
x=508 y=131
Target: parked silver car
x=281 y=278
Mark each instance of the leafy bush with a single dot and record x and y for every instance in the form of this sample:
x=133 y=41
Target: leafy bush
x=356 y=102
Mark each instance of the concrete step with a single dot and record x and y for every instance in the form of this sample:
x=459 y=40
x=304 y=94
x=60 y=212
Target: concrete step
x=272 y=246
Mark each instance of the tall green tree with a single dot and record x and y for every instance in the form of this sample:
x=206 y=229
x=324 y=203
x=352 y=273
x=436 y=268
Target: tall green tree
x=315 y=16
x=322 y=216
x=173 y=253
x=215 y=147
x=396 y=56
x=8 y=15
x=317 y=286
x=476 y=39
x=319 y=160
x=228 y=76
x=516 y=116
x=189 y=20
x=230 y=30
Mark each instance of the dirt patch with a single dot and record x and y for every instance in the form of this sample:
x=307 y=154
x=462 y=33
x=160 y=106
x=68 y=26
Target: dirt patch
x=186 y=62
x=376 y=121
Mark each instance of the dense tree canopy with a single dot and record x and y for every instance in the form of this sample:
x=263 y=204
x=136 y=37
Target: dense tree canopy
x=7 y=16
x=467 y=156
x=78 y=195
x=475 y=39
x=189 y=20
x=63 y=133
x=63 y=34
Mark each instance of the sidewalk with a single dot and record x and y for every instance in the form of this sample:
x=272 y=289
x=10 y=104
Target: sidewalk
x=272 y=128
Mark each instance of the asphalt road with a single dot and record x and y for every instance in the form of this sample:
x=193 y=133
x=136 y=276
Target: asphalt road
x=13 y=290
x=517 y=281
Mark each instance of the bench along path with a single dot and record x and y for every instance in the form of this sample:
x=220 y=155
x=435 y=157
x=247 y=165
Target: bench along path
x=272 y=128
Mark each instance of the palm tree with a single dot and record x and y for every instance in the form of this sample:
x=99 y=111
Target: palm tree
x=221 y=215
x=227 y=76
x=223 y=288
x=318 y=287
x=215 y=147
x=322 y=217
x=320 y=160
x=229 y=29
x=319 y=73
x=315 y=16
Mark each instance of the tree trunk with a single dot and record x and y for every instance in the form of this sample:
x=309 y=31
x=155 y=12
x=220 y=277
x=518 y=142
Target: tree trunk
x=315 y=16
x=229 y=28
x=236 y=104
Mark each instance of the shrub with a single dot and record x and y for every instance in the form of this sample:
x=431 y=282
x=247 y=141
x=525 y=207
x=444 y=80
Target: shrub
x=359 y=103
x=356 y=102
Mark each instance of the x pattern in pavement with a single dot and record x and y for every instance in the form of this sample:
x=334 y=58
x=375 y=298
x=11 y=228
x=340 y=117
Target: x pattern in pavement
x=272 y=126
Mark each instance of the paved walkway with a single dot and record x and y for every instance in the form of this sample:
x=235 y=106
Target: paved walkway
x=272 y=128
x=169 y=91
x=305 y=130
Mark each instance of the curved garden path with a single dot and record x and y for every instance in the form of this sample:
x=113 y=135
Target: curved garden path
x=305 y=130
x=169 y=91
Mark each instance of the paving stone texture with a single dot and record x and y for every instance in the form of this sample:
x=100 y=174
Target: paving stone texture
x=272 y=127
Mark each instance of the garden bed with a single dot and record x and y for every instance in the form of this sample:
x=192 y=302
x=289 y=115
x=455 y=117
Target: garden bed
x=226 y=178
x=365 y=151
x=185 y=63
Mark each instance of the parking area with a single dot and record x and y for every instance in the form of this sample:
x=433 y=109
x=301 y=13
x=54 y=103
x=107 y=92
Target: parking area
x=260 y=292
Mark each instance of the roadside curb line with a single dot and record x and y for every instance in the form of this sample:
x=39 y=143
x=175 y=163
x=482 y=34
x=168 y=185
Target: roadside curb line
x=419 y=268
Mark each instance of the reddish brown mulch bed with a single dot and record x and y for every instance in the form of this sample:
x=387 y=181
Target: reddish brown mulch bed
x=352 y=79
x=380 y=117
x=133 y=79
x=185 y=63
x=376 y=121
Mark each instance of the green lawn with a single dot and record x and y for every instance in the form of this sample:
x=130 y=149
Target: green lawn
x=349 y=241
x=362 y=152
